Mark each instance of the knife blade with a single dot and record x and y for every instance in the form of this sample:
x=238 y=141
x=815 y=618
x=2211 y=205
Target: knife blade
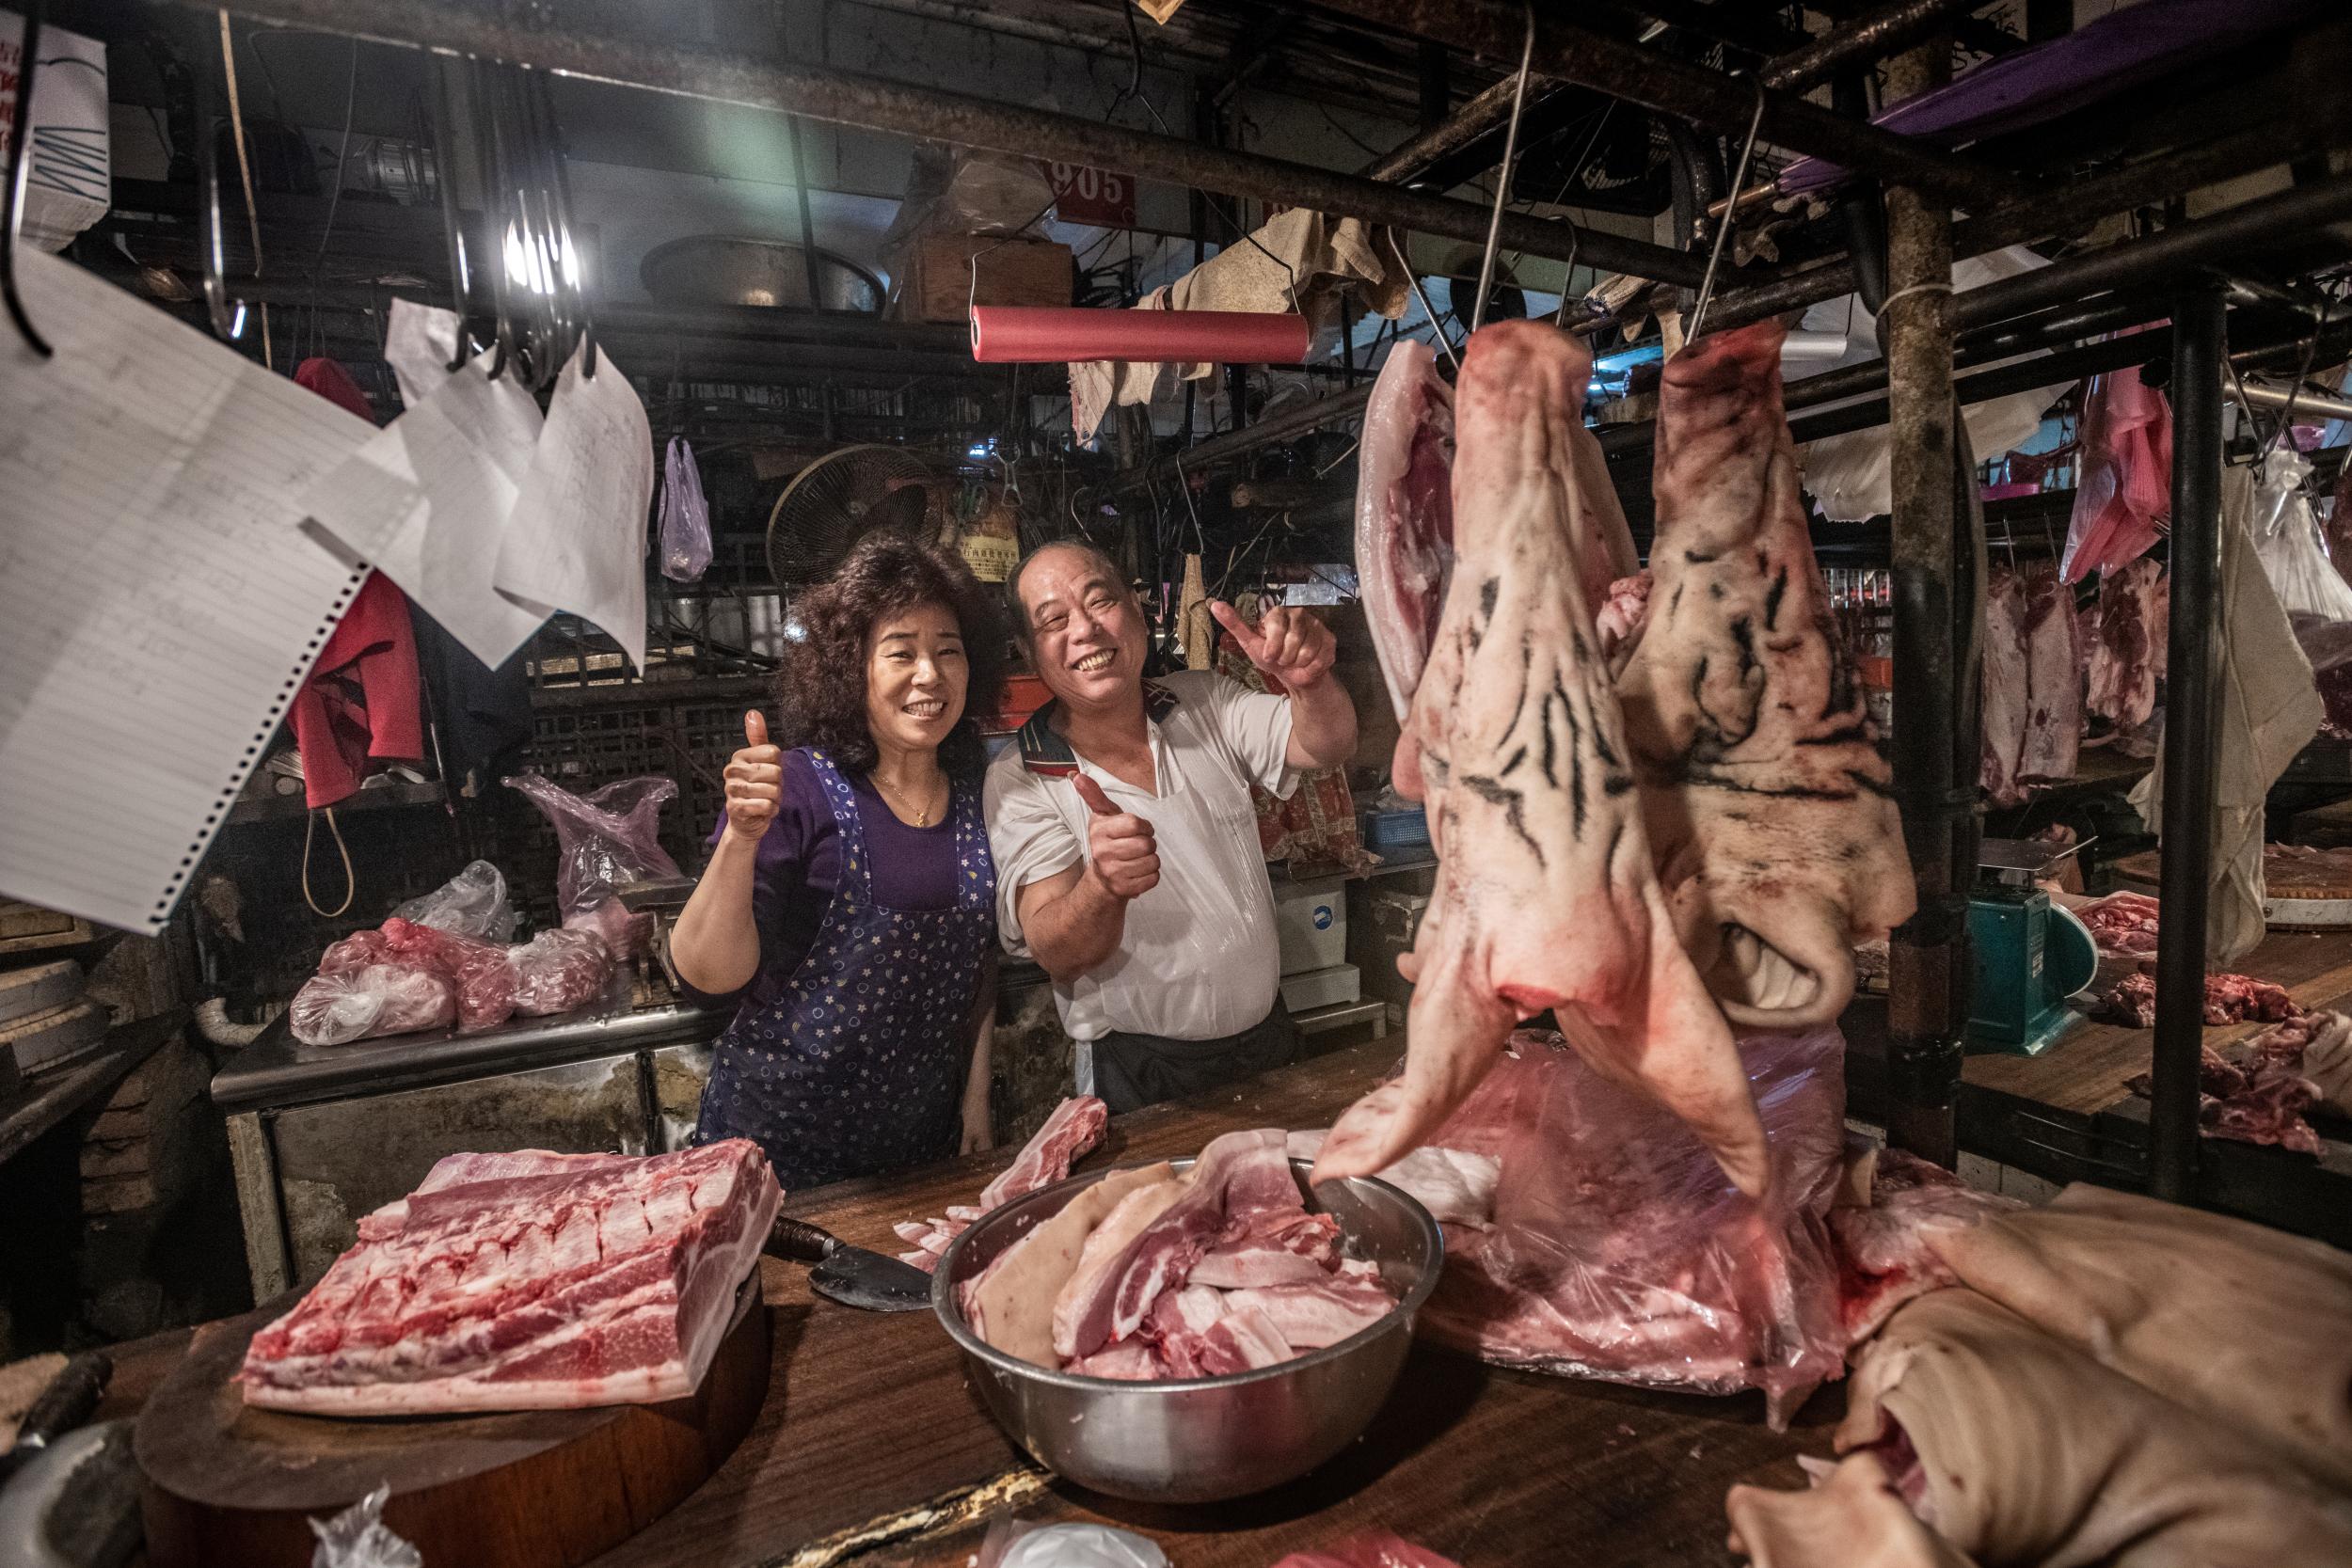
x=852 y=1276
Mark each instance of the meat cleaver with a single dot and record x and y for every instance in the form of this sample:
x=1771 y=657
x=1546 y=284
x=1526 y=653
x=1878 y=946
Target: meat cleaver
x=852 y=1274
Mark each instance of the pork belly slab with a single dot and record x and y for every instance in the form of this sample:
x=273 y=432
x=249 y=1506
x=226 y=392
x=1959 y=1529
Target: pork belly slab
x=527 y=1282
x=1762 y=786
x=1546 y=895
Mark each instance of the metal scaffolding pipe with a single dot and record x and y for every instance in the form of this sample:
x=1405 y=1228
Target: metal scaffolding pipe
x=2191 y=730
x=1937 y=611
x=2081 y=203
x=1567 y=52
x=1869 y=38
x=843 y=98
x=1483 y=113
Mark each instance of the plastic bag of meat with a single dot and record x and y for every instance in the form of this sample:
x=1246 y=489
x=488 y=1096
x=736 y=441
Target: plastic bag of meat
x=557 y=970
x=1621 y=1251
x=471 y=904
x=355 y=953
x=483 y=979
x=604 y=840
x=356 y=1003
x=1374 y=1549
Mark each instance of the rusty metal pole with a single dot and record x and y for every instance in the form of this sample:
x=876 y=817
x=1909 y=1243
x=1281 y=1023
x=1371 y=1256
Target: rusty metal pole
x=1927 y=960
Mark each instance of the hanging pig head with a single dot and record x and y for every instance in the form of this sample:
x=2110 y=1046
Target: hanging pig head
x=1763 y=789
x=1545 y=895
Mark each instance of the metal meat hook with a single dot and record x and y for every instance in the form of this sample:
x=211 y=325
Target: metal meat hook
x=1503 y=177
x=20 y=171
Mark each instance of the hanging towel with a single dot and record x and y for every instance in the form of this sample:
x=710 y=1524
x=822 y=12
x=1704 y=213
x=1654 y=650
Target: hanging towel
x=360 y=707
x=2270 y=709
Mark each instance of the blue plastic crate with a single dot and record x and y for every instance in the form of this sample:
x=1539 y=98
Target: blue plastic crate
x=1389 y=832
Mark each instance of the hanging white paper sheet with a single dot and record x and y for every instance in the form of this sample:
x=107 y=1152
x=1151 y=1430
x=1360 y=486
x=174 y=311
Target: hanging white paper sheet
x=428 y=499
x=159 y=603
x=577 y=539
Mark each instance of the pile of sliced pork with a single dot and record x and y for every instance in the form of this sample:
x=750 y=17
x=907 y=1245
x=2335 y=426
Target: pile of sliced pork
x=1151 y=1274
x=2105 y=1380
x=1657 y=831
x=1074 y=1128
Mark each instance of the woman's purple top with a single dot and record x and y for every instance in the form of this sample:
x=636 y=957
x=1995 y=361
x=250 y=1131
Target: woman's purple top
x=799 y=864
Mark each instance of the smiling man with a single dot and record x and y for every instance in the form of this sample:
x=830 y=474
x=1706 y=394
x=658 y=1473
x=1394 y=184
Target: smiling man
x=1125 y=844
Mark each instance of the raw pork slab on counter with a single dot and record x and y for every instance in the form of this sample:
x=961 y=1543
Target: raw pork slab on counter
x=527 y=1281
x=1072 y=1131
x=1149 y=1273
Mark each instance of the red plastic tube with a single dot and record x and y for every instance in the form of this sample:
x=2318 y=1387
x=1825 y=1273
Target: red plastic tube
x=1038 y=335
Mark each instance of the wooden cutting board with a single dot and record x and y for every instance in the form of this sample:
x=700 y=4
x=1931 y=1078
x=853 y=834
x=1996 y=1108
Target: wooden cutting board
x=2297 y=895
x=230 y=1485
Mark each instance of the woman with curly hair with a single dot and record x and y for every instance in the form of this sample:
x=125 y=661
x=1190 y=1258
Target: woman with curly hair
x=848 y=908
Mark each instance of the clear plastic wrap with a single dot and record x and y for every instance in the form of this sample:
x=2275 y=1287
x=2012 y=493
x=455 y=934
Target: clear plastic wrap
x=480 y=970
x=685 y=515
x=2286 y=539
x=358 y=1002
x=557 y=970
x=1621 y=1251
x=603 y=841
x=358 y=1538
x=1019 y=1543
x=471 y=904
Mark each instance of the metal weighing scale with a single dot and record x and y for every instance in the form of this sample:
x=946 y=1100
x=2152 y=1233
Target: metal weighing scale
x=2031 y=953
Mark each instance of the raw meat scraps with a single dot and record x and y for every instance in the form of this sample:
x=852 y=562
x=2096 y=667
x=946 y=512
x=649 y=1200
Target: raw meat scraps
x=1404 y=513
x=559 y=970
x=2003 y=680
x=2125 y=489
x=1072 y=1132
x=1622 y=616
x=2122 y=922
x=2239 y=1322
x=1765 y=794
x=2019 y=1448
x=1546 y=895
x=1150 y=1274
x=580 y=1281
x=1378 y=1549
x=2259 y=1091
x=1881 y=1224
x=1620 y=1252
x=2229 y=999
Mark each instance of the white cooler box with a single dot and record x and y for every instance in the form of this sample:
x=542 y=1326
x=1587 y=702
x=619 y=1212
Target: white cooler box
x=1311 y=928
x=1321 y=988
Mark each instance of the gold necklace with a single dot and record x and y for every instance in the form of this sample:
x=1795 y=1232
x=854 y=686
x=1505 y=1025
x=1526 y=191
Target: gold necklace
x=922 y=811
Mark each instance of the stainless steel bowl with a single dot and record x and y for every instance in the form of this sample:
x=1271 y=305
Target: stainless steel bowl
x=1197 y=1440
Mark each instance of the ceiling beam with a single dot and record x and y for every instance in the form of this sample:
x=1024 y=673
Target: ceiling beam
x=1496 y=32
x=449 y=27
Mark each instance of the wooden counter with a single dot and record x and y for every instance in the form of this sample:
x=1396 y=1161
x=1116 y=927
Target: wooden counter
x=871 y=1447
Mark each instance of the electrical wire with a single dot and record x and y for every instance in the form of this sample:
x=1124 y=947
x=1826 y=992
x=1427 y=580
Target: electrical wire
x=350 y=99
x=245 y=172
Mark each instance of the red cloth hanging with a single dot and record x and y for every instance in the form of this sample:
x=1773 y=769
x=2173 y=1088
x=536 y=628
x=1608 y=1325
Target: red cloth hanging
x=361 y=705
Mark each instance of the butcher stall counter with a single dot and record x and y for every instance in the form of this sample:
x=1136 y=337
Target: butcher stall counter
x=870 y=1449
x=2066 y=1116
x=321 y=1134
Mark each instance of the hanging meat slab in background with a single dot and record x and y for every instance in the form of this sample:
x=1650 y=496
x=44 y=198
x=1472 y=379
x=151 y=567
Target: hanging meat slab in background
x=2054 y=681
x=1545 y=892
x=2127 y=653
x=2003 y=679
x=1764 y=791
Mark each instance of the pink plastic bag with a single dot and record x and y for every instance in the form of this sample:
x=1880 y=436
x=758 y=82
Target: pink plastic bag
x=2125 y=490
x=356 y=1001
x=603 y=841
x=1375 y=1549
x=560 y=970
x=480 y=970
x=1620 y=1251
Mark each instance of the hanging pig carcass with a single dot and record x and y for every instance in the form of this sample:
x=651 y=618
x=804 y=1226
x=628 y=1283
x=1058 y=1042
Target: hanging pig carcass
x=1765 y=795
x=1546 y=895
